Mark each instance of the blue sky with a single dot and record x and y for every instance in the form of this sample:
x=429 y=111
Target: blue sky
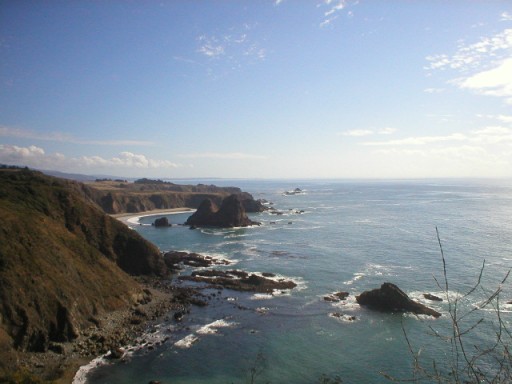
x=258 y=89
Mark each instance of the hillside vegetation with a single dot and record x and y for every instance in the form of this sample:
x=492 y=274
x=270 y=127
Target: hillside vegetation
x=62 y=262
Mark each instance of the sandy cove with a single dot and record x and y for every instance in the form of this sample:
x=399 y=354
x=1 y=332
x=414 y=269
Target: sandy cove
x=132 y=218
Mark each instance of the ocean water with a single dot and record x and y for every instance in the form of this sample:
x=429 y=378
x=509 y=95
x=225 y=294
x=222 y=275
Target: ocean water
x=352 y=236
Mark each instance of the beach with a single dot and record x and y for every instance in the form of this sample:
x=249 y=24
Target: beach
x=133 y=218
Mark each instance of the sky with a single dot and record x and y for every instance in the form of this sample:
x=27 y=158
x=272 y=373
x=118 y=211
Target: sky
x=258 y=89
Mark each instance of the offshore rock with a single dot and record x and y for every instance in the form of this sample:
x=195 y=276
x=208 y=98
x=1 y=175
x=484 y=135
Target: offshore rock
x=230 y=214
x=239 y=281
x=162 y=222
x=431 y=297
x=173 y=260
x=390 y=298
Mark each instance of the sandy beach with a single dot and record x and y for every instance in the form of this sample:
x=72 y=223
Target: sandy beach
x=133 y=218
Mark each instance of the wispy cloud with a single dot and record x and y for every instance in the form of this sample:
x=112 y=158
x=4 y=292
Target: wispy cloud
x=65 y=138
x=367 y=132
x=222 y=155
x=210 y=46
x=495 y=134
x=434 y=90
x=232 y=45
x=484 y=67
x=357 y=133
x=506 y=16
x=36 y=157
x=332 y=12
x=418 y=140
x=476 y=56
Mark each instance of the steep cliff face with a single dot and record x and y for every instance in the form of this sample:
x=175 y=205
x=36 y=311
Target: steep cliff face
x=115 y=197
x=62 y=260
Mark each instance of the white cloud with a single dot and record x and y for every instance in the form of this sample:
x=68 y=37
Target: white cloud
x=368 y=132
x=222 y=155
x=357 y=133
x=506 y=16
x=36 y=157
x=493 y=82
x=493 y=135
x=504 y=118
x=434 y=90
x=387 y=131
x=484 y=67
x=65 y=138
x=418 y=141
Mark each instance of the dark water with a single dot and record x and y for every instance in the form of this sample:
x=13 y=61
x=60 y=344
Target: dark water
x=352 y=236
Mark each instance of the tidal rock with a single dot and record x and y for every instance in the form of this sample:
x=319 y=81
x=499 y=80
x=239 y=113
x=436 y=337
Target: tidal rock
x=162 y=222
x=338 y=296
x=173 y=259
x=230 y=214
x=431 y=297
x=239 y=281
x=390 y=298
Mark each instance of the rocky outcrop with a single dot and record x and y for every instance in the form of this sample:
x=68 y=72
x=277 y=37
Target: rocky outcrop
x=390 y=298
x=240 y=280
x=175 y=259
x=432 y=297
x=230 y=214
x=161 y=222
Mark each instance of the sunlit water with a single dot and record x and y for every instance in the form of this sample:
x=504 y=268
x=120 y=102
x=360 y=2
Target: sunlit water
x=352 y=236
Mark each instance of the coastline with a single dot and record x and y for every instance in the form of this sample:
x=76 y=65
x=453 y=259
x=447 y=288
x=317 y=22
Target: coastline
x=113 y=330
x=133 y=217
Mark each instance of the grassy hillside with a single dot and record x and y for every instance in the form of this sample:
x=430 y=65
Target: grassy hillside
x=62 y=261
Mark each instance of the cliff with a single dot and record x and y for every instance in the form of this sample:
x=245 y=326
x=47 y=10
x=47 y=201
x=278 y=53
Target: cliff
x=146 y=195
x=62 y=262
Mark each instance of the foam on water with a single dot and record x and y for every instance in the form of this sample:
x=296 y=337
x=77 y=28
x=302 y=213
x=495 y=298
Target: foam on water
x=187 y=341
x=213 y=327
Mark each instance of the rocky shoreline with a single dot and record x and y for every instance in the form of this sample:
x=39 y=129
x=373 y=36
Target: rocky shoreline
x=111 y=332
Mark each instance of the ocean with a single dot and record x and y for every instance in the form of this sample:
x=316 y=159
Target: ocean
x=336 y=236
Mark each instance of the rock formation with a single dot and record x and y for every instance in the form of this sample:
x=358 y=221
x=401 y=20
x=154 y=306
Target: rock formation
x=239 y=281
x=162 y=222
x=390 y=298
x=230 y=214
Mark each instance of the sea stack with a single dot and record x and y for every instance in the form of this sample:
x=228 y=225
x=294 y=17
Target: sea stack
x=230 y=214
x=390 y=298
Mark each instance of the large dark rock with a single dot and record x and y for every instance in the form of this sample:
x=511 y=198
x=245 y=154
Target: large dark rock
x=390 y=298
x=230 y=214
x=161 y=222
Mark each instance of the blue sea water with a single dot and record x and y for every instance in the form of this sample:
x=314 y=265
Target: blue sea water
x=352 y=236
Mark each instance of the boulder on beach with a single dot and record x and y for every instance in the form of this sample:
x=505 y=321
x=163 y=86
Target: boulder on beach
x=230 y=214
x=390 y=298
